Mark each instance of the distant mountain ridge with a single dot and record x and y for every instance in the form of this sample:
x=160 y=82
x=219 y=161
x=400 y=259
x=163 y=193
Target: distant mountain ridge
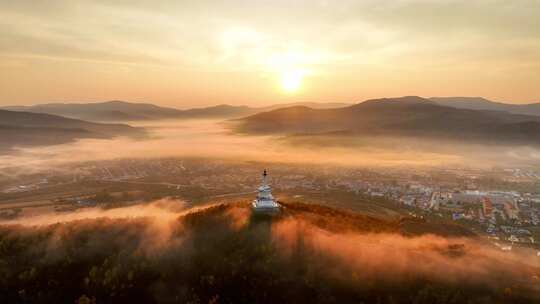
x=479 y=103
x=410 y=116
x=128 y=111
x=119 y=111
x=314 y=105
x=102 y=111
x=30 y=129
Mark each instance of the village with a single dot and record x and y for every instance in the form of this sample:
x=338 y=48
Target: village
x=500 y=204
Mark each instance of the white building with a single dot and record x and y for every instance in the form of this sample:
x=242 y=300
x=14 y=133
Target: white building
x=265 y=202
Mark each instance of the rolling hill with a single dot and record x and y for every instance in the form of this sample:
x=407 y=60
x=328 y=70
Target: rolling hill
x=313 y=105
x=479 y=103
x=128 y=111
x=409 y=116
x=31 y=129
x=102 y=111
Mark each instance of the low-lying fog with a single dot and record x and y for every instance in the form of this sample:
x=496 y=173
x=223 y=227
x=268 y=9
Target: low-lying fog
x=212 y=138
x=354 y=255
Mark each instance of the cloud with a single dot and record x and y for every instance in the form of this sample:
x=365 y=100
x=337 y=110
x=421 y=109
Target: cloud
x=223 y=241
x=165 y=210
x=393 y=257
x=481 y=42
x=155 y=226
x=213 y=140
x=210 y=139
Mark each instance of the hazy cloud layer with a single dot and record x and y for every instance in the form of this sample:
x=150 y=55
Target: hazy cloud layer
x=213 y=140
x=393 y=257
x=350 y=255
x=165 y=210
x=154 y=223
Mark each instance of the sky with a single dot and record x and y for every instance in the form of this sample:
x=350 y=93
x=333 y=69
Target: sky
x=198 y=53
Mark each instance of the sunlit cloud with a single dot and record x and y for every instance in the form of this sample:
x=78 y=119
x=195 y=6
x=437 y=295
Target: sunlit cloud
x=193 y=52
x=288 y=62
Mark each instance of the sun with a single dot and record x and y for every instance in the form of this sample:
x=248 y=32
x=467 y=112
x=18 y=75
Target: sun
x=289 y=68
x=291 y=80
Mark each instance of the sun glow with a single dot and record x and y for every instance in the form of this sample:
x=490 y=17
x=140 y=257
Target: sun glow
x=286 y=62
x=291 y=80
x=289 y=67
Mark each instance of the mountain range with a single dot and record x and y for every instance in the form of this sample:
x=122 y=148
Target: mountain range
x=123 y=111
x=479 y=103
x=57 y=123
x=460 y=118
x=128 y=111
x=410 y=116
x=30 y=129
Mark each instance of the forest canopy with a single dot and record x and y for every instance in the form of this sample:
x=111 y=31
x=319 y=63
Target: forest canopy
x=222 y=254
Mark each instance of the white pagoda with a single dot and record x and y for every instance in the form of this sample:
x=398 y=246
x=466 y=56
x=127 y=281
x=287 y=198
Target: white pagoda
x=265 y=202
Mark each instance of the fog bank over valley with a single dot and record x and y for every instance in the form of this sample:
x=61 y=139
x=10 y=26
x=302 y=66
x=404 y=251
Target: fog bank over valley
x=216 y=139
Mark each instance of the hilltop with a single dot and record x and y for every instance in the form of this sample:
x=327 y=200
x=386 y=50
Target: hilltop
x=220 y=254
x=130 y=111
x=409 y=116
x=31 y=129
x=479 y=103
